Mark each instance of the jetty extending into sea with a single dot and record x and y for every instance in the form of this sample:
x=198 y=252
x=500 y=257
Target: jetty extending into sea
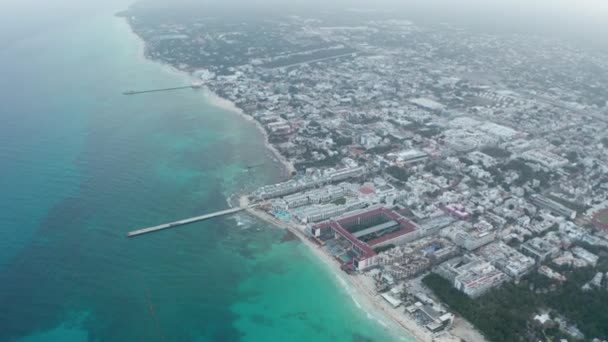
x=188 y=221
x=137 y=92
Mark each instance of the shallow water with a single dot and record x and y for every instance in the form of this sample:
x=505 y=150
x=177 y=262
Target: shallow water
x=81 y=165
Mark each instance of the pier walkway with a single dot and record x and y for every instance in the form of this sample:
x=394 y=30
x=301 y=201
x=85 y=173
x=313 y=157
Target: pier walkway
x=136 y=92
x=186 y=221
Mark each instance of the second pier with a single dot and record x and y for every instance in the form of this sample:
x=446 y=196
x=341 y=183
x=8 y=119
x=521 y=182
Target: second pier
x=136 y=92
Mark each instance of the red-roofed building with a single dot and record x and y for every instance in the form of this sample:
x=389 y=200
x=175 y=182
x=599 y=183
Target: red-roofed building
x=367 y=229
x=367 y=189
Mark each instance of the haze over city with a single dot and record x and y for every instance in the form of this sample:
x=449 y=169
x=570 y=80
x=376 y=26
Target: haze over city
x=269 y=170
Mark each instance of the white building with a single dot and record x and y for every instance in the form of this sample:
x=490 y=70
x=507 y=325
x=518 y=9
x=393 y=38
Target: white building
x=584 y=254
x=539 y=249
x=471 y=275
x=507 y=259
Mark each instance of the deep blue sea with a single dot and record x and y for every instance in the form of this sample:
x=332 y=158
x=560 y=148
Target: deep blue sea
x=81 y=165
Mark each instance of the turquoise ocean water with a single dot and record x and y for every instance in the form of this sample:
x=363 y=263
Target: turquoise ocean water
x=80 y=165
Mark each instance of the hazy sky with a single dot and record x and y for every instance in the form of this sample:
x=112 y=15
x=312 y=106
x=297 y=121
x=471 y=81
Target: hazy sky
x=593 y=7
x=584 y=20
x=577 y=6
x=580 y=8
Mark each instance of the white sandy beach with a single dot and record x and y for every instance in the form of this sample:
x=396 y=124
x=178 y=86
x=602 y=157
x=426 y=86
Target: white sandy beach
x=359 y=288
x=362 y=289
x=216 y=101
x=231 y=107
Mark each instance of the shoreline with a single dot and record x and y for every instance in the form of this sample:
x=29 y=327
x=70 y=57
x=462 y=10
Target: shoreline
x=353 y=287
x=215 y=100
x=358 y=287
x=227 y=105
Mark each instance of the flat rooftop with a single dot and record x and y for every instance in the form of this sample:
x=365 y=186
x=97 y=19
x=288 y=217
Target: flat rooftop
x=367 y=228
x=376 y=228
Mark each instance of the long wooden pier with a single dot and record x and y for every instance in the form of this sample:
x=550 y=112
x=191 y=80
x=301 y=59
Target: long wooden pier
x=136 y=92
x=185 y=221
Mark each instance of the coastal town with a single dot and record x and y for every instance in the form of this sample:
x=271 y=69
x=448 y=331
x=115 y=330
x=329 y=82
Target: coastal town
x=457 y=178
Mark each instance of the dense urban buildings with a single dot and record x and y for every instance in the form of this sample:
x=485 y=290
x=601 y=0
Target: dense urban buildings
x=414 y=150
